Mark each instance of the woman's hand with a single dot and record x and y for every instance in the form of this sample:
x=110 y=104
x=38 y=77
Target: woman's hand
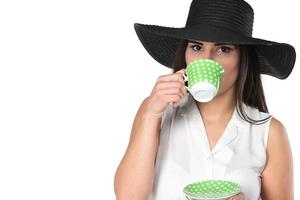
x=239 y=196
x=168 y=89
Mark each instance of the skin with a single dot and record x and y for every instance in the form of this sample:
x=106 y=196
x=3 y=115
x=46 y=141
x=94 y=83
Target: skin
x=277 y=177
x=137 y=168
x=228 y=56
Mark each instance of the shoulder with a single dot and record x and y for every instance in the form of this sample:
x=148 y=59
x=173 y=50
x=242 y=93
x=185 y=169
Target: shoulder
x=278 y=146
x=277 y=141
x=277 y=126
x=279 y=165
x=277 y=138
x=277 y=135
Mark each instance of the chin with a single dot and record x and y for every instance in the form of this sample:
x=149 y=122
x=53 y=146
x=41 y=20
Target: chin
x=226 y=90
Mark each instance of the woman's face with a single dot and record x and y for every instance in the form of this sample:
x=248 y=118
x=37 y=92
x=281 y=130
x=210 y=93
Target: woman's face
x=227 y=55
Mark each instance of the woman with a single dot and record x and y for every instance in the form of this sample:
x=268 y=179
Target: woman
x=176 y=140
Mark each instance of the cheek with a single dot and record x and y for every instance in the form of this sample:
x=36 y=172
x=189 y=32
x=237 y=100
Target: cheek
x=230 y=76
x=231 y=69
x=190 y=55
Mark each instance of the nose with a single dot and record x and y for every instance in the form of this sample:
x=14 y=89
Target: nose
x=207 y=53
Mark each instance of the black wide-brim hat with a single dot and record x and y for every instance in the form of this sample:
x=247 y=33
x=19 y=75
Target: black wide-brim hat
x=220 y=21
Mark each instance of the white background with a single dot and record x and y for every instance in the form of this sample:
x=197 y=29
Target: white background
x=72 y=76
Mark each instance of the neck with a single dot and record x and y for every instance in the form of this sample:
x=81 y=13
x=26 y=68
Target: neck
x=220 y=107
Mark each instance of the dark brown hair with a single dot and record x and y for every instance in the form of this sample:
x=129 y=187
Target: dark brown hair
x=249 y=89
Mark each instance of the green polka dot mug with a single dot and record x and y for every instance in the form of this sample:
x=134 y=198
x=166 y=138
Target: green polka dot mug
x=203 y=77
x=211 y=190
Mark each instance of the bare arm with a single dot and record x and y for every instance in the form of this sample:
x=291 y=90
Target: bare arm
x=277 y=177
x=135 y=175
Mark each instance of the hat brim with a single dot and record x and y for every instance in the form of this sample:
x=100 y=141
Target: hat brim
x=276 y=59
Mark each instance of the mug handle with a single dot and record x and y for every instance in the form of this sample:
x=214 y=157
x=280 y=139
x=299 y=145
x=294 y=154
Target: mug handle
x=185 y=79
x=188 y=198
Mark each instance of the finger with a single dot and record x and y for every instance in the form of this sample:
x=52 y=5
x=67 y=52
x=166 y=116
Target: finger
x=170 y=77
x=173 y=84
x=171 y=91
x=239 y=196
x=161 y=84
x=175 y=104
x=173 y=99
x=167 y=84
x=182 y=71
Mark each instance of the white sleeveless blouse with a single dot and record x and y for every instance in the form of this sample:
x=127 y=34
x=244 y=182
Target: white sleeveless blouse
x=184 y=154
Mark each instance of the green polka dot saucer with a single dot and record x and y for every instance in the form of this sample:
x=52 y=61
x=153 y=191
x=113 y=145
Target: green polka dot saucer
x=211 y=190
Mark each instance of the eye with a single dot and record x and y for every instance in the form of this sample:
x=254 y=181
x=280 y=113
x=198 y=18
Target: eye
x=225 y=49
x=196 y=47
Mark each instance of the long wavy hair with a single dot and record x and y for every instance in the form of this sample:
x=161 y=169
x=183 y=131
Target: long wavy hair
x=249 y=89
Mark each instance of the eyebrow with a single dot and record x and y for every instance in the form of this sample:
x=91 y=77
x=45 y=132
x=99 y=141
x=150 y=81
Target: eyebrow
x=216 y=44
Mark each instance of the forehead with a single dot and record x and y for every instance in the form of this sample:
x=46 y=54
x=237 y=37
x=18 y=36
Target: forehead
x=208 y=43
